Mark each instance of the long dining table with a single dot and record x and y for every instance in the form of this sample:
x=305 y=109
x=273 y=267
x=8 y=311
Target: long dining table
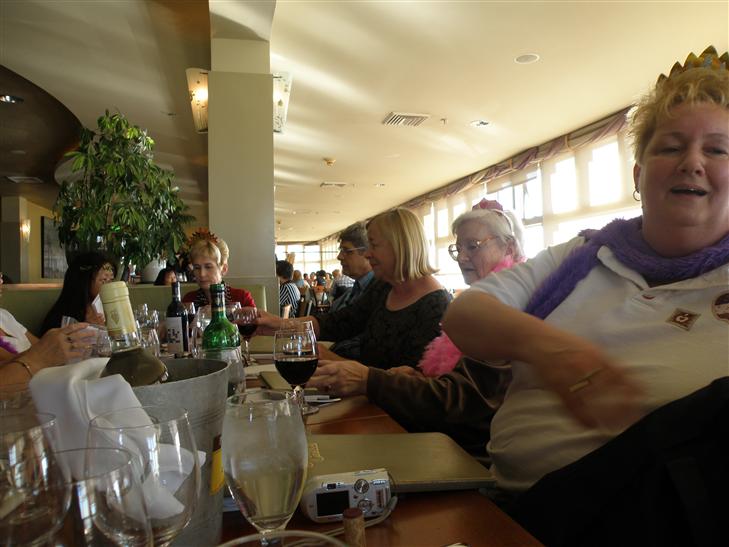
x=435 y=518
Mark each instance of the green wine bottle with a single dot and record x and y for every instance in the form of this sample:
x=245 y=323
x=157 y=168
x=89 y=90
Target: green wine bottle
x=220 y=333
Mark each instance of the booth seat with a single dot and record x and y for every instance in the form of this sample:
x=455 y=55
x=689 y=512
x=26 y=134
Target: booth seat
x=30 y=304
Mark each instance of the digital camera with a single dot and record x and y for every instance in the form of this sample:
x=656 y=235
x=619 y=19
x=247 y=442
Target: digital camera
x=327 y=496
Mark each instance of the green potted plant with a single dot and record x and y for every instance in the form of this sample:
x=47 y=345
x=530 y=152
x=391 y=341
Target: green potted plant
x=122 y=202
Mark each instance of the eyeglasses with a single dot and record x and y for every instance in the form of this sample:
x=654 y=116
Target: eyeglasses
x=342 y=250
x=469 y=248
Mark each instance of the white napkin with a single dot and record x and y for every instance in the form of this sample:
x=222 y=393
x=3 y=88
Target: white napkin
x=75 y=395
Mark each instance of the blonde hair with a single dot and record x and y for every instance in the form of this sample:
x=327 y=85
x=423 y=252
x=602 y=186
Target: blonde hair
x=404 y=232
x=696 y=85
x=217 y=250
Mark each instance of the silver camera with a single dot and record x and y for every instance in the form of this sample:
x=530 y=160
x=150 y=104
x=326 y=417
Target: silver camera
x=327 y=496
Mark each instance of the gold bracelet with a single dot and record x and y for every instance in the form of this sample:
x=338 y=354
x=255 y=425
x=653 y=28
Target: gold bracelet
x=25 y=365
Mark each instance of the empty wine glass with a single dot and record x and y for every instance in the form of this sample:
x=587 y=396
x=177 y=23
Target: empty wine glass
x=106 y=499
x=103 y=344
x=245 y=318
x=25 y=435
x=202 y=320
x=296 y=355
x=264 y=458
x=33 y=500
x=236 y=372
x=15 y=397
x=165 y=458
x=150 y=340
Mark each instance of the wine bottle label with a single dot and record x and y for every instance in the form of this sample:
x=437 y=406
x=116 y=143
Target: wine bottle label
x=119 y=318
x=175 y=335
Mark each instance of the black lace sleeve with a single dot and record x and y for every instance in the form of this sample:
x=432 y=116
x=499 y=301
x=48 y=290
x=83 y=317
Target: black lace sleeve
x=351 y=320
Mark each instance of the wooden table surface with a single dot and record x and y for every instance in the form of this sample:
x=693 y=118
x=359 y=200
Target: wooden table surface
x=425 y=519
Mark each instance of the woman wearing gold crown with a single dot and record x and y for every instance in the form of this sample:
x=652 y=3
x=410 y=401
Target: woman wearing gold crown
x=624 y=327
x=209 y=257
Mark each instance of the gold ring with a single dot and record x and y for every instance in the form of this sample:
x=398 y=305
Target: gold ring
x=582 y=384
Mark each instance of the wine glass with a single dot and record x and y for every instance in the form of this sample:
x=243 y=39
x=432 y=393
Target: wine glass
x=25 y=435
x=33 y=500
x=293 y=537
x=236 y=372
x=165 y=457
x=230 y=309
x=202 y=320
x=106 y=499
x=149 y=339
x=265 y=457
x=15 y=397
x=191 y=309
x=245 y=318
x=296 y=355
x=103 y=343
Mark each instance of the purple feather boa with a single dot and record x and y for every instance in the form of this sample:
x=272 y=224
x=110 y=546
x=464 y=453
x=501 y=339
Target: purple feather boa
x=624 y=239
x=7 y=346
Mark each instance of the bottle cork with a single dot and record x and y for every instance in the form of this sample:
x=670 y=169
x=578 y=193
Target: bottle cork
x=354 y=529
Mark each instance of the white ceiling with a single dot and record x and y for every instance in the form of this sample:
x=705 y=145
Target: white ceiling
x=352 y=63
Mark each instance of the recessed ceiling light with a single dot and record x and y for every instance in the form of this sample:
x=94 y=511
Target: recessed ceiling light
x=12 y=99
x=380 y=185
x=527 y=59
x=479 y=123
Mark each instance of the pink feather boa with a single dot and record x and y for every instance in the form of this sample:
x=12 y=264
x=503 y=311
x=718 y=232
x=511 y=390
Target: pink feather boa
x=441 y=355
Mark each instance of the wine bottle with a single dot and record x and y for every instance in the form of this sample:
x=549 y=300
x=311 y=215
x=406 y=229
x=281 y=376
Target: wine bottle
x=220 y=333
x=176 y=323
x=137 y=365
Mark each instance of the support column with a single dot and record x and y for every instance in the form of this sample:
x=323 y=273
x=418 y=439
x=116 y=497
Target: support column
x=240 y=151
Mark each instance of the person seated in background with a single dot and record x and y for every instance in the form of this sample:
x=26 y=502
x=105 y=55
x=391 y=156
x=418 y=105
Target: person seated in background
x=22 y=354
x=401 y=310
x=209 y=258
x=340 y=284
x=352 y=256
x=81 y=285
x=616 y=324
x=301 y=283
x=166 y=276
x=463 y=400
x=288 y=292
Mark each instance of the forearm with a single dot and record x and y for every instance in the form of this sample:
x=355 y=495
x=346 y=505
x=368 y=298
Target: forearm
x=486 y=330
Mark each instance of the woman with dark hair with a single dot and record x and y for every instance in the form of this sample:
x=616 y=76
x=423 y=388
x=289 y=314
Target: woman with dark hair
x=81 y=285
x=166 y=276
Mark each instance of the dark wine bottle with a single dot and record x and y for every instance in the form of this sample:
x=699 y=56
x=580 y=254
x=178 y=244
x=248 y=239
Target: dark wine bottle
x=137 y=365
x=176 y=323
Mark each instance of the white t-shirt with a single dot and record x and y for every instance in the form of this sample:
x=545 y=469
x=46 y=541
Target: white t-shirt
x=14 y=331
x=672 y=339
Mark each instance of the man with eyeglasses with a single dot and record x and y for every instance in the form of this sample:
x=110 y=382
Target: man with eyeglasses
x=352 y=246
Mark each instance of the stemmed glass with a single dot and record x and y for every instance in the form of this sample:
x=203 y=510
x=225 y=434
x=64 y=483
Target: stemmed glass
x=264 y=458
x=296 y=355
x=245 y=318
x=165 y=458
x=26 y=435
x=33 y=500
x=106 y=499
x=202 y=320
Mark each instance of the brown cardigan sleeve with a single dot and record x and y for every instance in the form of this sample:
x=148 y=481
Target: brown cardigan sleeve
x=454 y=403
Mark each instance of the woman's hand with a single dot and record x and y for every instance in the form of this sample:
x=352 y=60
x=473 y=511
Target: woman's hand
x=93 y=317
x=341 y=378
x=58 y=346
x=405 y=369
x=268 y=323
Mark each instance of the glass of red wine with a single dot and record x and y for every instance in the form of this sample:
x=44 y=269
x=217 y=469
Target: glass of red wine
x=245 y=318
x=296 y=355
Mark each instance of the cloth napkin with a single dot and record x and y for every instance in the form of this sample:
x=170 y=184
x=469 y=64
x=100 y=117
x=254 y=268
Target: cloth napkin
x=75 y=395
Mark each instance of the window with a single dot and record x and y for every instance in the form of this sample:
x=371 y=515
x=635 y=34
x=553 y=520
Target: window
x=604 y=175
x=563 y=186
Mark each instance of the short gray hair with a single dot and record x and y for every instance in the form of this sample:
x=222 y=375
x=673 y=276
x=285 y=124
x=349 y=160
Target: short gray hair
x=356 y=234
x=504 y=225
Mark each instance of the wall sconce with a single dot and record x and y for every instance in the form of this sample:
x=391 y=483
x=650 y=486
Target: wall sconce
x=25 y=230
x=281 y=93
x=197 y=83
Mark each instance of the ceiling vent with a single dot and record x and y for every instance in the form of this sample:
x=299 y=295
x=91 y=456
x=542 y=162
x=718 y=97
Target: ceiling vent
x=25 y=180
x=404 y=118
x=336 y=185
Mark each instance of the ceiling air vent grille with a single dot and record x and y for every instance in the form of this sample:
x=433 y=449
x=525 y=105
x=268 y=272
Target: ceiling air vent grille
x=404 y=118
x=25 y=180
x=336 y=185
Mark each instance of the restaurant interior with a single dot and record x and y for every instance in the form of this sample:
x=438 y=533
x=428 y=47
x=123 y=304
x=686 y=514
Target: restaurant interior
x=428 y=105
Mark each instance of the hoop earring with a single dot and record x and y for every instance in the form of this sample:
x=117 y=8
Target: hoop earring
x=636 y=195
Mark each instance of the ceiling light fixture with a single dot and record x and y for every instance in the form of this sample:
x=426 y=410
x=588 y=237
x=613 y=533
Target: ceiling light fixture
x=526 y=59
x=197 y=84
x=281 y=94
x=12 y=99
x=479 y=123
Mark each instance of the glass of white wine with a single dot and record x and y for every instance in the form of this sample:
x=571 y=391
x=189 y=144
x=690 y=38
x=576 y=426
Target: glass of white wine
x=264 y=458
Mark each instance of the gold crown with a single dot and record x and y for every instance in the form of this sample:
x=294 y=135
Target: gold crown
x=708 y=59
x=202 y=234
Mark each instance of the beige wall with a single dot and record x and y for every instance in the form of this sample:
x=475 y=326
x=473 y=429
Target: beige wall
x=35 y=212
